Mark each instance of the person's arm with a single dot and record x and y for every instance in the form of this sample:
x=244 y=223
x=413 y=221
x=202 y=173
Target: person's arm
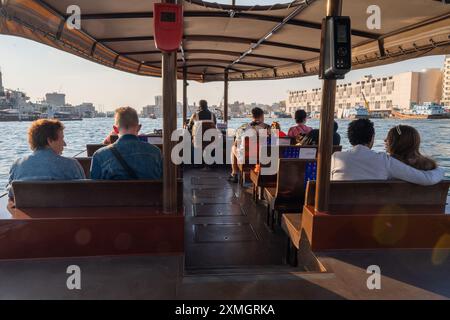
x=11 y=178
x=291 y=132
x=191 y=122
x=160 y=167
x=96 y=170
x=399 y=170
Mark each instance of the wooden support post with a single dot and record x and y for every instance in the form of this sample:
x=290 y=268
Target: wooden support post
x=225 y=98
x=334 y=8
x=169 y=88
x=185 y=99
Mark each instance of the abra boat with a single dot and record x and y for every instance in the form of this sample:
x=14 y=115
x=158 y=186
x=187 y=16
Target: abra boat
x=194 y=235
x=358 y=112
x=7 y=115
x=428 y=110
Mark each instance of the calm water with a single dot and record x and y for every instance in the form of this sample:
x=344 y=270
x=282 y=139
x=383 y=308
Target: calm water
x=13 y=139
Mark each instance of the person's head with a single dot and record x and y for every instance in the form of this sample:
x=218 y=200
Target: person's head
x=403 y=143
x=361 y=132
x=46 y=133
x=258 y=114
x=300 y=116
x=203 y=105
x=126 y=121
x=275 y=125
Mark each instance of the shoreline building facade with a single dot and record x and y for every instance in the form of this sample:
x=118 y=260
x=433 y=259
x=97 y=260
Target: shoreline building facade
x=383 y=94
x=445 y=101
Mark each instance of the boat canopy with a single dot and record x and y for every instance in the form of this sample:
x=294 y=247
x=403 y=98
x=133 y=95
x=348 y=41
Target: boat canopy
x=249 y=42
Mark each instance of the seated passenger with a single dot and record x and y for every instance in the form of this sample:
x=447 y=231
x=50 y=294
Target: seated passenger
x=276 y=126
x=312 y=138
x=361 y=163
x=128 y=158
x=301 y=128
x=403 y=143
x=46 y=140
x=237 y=150
x=201 y=121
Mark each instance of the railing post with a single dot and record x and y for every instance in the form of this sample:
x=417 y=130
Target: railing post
x=185 y=99
x=225 y=98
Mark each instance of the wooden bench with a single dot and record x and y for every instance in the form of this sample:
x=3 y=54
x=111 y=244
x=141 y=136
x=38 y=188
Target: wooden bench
x=85 y=163
x=92 y=148
x=373 y=215
x=289 y=193
x=260 y=181
x=90 y=218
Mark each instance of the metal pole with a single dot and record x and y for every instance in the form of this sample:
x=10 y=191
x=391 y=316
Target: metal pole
x=169 y=88
x=225 y=98
x=185 y=100
x=334 y=8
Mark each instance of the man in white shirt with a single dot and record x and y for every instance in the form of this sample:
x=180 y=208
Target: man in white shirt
x=361 y=163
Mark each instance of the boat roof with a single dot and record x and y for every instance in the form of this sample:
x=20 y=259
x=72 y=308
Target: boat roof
x=251 y=42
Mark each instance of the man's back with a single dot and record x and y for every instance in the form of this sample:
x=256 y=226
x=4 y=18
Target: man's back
x=361 y=163
x=143 y=158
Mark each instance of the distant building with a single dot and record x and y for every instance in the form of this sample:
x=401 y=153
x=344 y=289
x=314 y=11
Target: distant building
x=86 y=110
x=179 y=109
x=55 y=99
x=400 y=91
x=158 y=106
x=446 y=83
x=148 y=110
x=2 y=89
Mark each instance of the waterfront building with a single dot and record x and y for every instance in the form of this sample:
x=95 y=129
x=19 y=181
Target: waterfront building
x=445 y=101
x=148 y=110
x=158 y=106
x=55 y=99
x=86 y=110
x=400 y=91
x=2 y=89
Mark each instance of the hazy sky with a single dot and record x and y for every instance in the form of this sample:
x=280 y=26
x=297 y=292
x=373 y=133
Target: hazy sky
x=38 y=69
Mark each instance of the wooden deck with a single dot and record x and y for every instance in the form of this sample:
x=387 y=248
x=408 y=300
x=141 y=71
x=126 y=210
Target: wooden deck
x=224 y=228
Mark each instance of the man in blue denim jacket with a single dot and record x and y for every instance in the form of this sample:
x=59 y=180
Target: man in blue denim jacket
x=136 y=159
x=46 y=139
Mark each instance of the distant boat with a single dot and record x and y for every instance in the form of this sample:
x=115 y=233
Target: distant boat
x=62 y=116
x=280 y=115
x=314 y=115
x=358 y=112
x=152 y=116
x=428 y=110
x=9 y=115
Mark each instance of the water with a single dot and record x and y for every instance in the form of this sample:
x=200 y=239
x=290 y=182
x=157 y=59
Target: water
x=13 y=139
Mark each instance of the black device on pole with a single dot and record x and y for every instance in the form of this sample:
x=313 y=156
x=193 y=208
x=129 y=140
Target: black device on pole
x=336 y=60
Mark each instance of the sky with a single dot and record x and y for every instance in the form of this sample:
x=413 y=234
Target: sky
x=37 y=69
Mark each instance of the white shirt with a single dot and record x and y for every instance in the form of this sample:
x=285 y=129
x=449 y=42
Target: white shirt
x=361 y=163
